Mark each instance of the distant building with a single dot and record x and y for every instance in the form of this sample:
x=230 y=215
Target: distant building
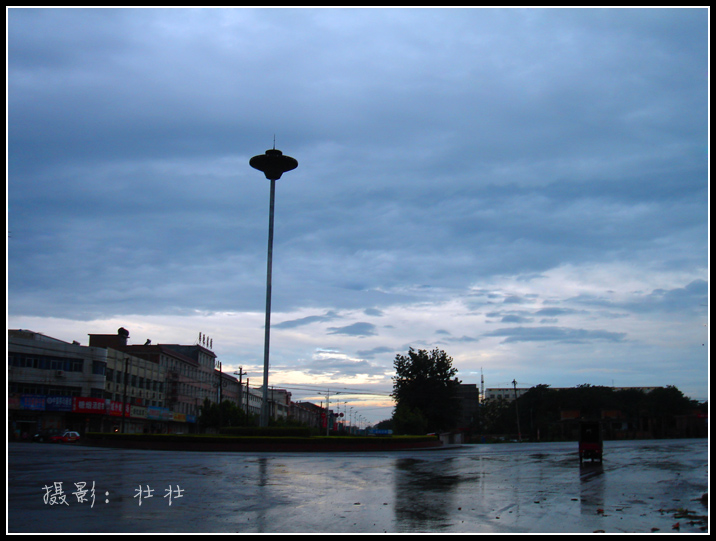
x=230 y=388
x=316 y=415
x=254 y=399
x=469 y=396
x=304 y=413
x=279 y=403
x=504 y=393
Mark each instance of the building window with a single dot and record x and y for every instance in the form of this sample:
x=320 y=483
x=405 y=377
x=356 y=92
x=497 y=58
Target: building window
x=98 y=368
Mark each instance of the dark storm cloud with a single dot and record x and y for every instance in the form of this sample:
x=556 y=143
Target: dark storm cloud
x=125 y=106
x=340 y=366
x=372 y=353
x=553 y=311
x=556 y=334
x=514 y=299
x=515 y=319
x=441 y=153
x=691 y=299
x=356 y=329
x=292 y=324
x=463 y=339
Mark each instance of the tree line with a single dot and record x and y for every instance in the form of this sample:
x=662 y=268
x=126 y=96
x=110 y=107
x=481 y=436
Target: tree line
x=425 y=388
x=545 y=413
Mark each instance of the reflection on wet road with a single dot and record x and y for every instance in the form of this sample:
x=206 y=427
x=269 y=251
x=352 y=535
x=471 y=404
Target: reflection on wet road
x=591 y=487
x=523 y=487
x=423 y=493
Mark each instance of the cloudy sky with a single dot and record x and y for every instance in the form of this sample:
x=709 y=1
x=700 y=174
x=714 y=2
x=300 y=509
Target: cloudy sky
x=525 y=189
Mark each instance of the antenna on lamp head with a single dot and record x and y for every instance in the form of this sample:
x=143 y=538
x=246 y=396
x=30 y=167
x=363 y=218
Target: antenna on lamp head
x=274 y=141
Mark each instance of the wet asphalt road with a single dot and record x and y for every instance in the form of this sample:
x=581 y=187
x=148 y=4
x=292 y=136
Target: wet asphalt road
x=504 y=488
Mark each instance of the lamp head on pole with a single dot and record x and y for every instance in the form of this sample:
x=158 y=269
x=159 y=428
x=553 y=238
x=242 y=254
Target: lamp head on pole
x=273 y=164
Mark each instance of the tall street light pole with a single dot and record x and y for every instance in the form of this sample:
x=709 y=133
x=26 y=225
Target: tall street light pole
x=126 y=380
x=273 y=164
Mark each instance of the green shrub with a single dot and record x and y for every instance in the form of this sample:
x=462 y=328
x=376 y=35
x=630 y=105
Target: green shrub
x=289 y=431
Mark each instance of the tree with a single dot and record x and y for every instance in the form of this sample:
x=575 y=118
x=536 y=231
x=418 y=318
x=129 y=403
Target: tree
x=385 y=424
x=407 y=420
x=227 y=413
x=425 y=389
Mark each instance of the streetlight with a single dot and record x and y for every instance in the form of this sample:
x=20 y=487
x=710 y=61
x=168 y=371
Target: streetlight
x=273 y=164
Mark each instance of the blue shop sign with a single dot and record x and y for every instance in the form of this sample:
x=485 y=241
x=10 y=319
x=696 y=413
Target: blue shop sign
x=159 y=414
x=32 y=402
x=58 y=403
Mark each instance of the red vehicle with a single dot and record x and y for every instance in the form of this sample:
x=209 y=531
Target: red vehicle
x=591 y=445
x=68 y=436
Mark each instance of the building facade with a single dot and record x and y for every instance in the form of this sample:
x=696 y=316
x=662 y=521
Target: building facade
x=139 y=383
x=469 y=397
x=46 y=380
x=112 y=385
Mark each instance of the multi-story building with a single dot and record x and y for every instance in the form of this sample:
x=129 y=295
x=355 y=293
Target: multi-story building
x=133 y=379
x=254 y=399
x=46 y=380
x=306 y=415
x=142 y=385
x=314 y=415
x=469 y=396
x=228 y=388
x=189 y=371
x=113 y=385
x=279 y=403
x=200 y=373
x=191 y=374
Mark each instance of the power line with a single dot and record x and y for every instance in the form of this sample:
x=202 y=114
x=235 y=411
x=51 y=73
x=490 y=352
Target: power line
x=340 y=390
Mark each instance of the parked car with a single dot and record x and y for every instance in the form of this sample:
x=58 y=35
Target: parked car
x=45 y=435
x=67 y=436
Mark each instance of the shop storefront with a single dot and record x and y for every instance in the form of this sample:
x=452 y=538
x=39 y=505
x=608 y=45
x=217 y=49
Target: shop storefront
x=29 y=414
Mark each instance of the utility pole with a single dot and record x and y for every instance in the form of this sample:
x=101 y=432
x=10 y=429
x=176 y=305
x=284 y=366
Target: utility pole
x=328 y=415
x=517 y=412
x=240 y=374
x=126 y=378
x=219 y=391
